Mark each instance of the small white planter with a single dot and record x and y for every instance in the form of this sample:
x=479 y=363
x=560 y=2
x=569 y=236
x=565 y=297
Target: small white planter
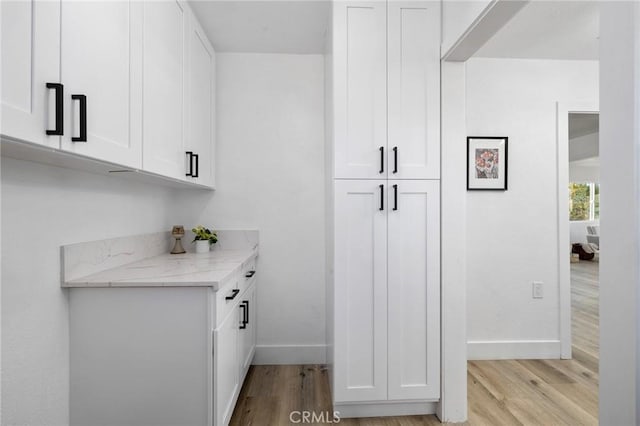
x=202 y=246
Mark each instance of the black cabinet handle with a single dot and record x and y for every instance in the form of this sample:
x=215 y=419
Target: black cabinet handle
x=250 y=274
x=243 y=323
x=190 y=155
x=381 y=197
x=59 y=88
x=245 y=314
x=195 y=175
x=381 y=159
x=395 y=197
x=395 y=159
x=83 y=118
x=234 y=293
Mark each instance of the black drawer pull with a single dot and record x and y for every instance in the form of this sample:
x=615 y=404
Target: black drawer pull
x=245 y=315
x=59 y=88
x=381 y=159
x=381 y=197
x=250 y=274
x=234 y=293
x=83 y=118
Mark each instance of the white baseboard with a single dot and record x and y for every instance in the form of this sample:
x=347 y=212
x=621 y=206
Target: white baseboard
x=290 y=354
x=384 y=409
x=513 y=349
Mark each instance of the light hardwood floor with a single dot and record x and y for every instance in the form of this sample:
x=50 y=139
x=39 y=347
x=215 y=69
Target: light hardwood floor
x=523 y=392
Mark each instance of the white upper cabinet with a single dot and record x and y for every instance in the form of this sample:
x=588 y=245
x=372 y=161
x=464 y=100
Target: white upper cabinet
x=101 y=61
x=386 y=90
x=360 y=97
x=30 y=60
x=413 y=289
x=414 y=90
x=165 y=34
x=125 y=82
x=200 y=117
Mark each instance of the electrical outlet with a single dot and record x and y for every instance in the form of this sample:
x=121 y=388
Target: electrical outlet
x=537 y=290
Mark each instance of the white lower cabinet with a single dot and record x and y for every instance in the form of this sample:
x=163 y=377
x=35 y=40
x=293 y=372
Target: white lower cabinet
x=386 y=292
x=360 y=291
x=413 y=290
x=226 y=367
x=247 y=340
x=161 y=356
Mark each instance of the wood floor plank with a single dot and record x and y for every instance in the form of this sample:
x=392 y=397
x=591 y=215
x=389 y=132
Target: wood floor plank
x=510 y=393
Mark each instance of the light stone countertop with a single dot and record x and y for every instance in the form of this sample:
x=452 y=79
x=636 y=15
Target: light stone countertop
x=172 y=270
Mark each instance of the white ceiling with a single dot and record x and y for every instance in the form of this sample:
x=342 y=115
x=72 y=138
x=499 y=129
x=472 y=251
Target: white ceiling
x=546 y=29
x=264 y=26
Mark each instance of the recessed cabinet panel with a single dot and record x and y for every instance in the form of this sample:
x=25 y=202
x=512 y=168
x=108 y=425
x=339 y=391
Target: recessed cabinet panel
x=414 y=297
x=30 y=59
x=101 y=59
x=226 y=367
x=361 y=295
x=360 y=90
x=414 y=90
x=163 y=88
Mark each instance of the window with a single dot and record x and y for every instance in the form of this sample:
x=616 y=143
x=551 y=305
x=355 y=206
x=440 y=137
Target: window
x=584 y=201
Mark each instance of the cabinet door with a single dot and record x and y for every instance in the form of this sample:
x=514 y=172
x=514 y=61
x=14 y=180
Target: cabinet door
x=225 y=365
x=414 y=89
x=414 y=290
x=201 y=103
x=360 y=290
x=30 y=59
x=101 y=59
x=165 y=33
x=360 y=98
x=248 y=333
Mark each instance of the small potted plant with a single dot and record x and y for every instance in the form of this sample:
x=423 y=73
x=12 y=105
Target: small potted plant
x=204 y=238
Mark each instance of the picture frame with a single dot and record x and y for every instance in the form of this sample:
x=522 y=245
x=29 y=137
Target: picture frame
x=487 y=161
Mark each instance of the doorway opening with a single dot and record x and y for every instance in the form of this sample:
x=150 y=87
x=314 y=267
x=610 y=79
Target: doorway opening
x=584 y=236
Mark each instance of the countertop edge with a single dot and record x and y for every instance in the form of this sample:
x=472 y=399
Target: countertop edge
x=215 y=285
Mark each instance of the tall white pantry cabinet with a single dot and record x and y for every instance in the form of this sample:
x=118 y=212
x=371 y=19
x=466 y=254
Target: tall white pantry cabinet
x=383 y=290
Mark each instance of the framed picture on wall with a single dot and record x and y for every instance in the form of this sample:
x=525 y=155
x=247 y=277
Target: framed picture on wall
x=487 y=162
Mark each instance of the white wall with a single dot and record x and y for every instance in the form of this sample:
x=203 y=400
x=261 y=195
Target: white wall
x=270 y=176
x=43 y=208
x=512 y=235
